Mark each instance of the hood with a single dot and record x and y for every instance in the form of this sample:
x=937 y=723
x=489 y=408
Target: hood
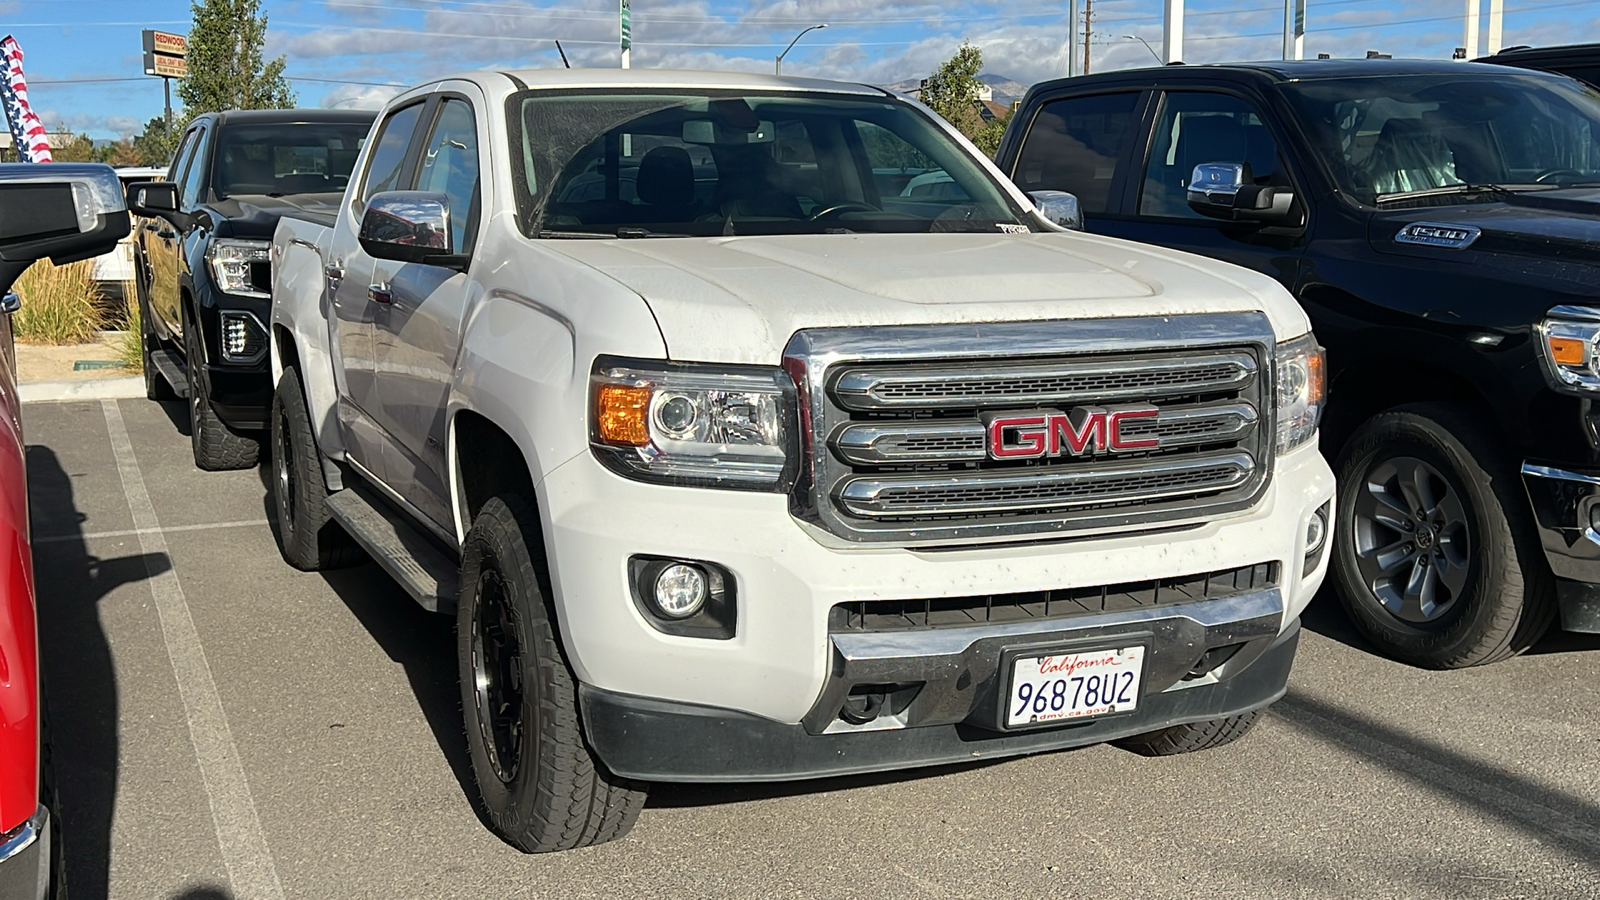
x=740 y=299
x=257 y=215
x=1561 y=226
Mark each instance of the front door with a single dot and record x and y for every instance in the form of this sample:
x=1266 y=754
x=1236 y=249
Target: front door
x=417 y=332
x=350 y=279
x=159 y=242
x=1194 y=127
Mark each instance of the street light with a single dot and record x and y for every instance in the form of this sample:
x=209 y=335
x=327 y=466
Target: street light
x=1135 y=37
x=778 y=68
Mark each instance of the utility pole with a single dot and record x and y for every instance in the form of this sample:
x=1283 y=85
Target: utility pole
x=626 y=20
x=1471 y=43
x=1088 y=31
x=1172 y=31
x=1072 y=38
x=1496 y=12
x=1294 y=29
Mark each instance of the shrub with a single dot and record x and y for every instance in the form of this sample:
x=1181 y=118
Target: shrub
x=130 y=349
x=59 y=304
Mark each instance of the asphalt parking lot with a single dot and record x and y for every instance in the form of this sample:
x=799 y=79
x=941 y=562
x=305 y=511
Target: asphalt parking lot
x=225 y=726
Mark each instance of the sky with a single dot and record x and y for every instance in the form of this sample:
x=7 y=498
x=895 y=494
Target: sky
x=83 y=57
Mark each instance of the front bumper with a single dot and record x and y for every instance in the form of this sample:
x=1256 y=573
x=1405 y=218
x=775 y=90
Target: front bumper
x=782 y=661
x=1566 y=508
x=25 y=858
x=656 y=740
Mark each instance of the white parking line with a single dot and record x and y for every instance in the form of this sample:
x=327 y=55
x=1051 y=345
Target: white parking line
x=130 y=532
x=233 y=809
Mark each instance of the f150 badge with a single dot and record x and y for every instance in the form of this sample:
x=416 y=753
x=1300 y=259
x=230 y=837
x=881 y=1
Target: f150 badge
x=1081 y=431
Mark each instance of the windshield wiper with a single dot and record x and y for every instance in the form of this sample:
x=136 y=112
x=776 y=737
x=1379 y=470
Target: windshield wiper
x=1458 y=189
x=635 y=232
x=573 y=235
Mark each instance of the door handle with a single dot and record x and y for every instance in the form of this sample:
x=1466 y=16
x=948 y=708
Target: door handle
x=10 y=303
x=380 y=293
x=166 y=235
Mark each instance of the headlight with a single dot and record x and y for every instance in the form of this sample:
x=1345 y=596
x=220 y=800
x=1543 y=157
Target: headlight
x=233 y=263
x=1568 y=338
x=1300 y=389
x=710 y=426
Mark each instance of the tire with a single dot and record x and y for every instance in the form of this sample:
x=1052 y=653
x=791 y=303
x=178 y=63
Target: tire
x=1192 y=737
x=155 y=384
x=308 y=537
x=1476 y=587
x=541 y=787
x=217 y=447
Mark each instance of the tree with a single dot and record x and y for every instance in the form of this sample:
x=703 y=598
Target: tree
x=156 y=144
x=73 y=148
x=225 y=66
x=952 y=92
x=120 y=153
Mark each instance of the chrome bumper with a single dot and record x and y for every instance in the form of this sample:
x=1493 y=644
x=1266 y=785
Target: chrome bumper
x=25 y=858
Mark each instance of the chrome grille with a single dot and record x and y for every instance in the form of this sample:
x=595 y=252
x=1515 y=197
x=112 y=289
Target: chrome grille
x=898 y=445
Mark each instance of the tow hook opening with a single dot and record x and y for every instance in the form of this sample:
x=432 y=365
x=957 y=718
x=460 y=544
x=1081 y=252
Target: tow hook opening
x=1210 y=660
x=868 y=702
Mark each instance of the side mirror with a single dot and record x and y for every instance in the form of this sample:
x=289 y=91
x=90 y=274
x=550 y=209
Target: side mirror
x=155 y=200
x=64 y=211
x=1226 y=191
x=1059 y=208
x=409 y=226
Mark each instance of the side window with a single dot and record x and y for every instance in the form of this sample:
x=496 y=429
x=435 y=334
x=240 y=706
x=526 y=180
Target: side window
x=901 y=170
x=1197 y=128
x=194 y=177
x=450 y=167
x=1078 y=145
x=180 y=157
x=389 y=153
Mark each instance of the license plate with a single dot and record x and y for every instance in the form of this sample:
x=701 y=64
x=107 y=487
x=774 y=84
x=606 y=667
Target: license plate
x=1074 y=686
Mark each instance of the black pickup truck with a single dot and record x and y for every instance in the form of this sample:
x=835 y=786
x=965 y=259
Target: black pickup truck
x=1440 y=223
x=201 y=267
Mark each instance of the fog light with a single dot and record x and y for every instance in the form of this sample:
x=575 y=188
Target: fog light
x=243 y=340
x=1316 y=532
x=680 y=590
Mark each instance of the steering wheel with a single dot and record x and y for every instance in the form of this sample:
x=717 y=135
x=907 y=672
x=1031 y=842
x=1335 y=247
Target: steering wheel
x=1545 y=176
x=839 y=208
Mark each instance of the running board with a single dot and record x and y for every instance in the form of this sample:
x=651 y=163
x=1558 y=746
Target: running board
x=174 y=373
x=413 y=558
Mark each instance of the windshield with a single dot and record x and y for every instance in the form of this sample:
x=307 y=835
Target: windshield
x=641 y=164
x=1386 y=138
x=276 y=160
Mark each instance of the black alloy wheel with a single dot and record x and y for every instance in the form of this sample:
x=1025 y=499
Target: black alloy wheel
x=308 y=536
x=1413 y=542
x=497 y=676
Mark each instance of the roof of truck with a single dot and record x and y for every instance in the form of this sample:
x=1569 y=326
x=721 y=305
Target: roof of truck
x=1292 y=70
x=301 y=116
x=674 y=78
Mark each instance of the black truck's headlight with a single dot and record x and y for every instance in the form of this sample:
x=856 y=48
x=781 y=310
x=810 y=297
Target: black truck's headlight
x=1300 y=385
x=236 y=266
x=1568 y=340
x=710 y=426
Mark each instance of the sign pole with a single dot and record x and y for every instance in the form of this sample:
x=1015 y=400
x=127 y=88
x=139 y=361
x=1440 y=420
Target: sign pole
x=627 y=33
x=166 y=85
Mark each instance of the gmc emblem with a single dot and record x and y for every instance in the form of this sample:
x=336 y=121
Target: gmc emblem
x=1084 y=431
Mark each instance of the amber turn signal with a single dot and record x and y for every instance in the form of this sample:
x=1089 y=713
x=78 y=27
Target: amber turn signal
x=619 y=412
x=1566 y=351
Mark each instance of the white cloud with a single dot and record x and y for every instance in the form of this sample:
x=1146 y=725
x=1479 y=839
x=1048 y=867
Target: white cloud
x=357 y=96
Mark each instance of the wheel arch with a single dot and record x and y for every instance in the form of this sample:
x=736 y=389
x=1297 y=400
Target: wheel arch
x=1378 y=383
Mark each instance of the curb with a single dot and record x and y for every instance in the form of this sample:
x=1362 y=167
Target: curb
x=127 y=388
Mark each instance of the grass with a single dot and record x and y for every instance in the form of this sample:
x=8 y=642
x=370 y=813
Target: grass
x=60 y=304
x=130 y=348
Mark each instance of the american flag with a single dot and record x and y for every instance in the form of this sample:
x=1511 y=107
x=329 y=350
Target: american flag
x=27 y=132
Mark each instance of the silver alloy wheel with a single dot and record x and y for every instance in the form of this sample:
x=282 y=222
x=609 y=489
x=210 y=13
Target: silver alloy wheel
x=1412 y=539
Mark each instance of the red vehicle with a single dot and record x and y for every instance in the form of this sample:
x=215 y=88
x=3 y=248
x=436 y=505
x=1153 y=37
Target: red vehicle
x=72 y=212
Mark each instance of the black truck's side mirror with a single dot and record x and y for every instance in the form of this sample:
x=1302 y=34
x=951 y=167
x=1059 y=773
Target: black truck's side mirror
x=1226 y=191
x=409 y=226
x=156 y=200
x=64 y=211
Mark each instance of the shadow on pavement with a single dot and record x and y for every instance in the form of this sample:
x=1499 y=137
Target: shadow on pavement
x=202 y=892
x=178 y=412
x=1552 y=817
x=680 y=796
x=75 y=658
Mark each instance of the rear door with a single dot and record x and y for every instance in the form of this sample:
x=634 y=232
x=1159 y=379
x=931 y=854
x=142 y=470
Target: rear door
x=417 y=331
x=390 y=165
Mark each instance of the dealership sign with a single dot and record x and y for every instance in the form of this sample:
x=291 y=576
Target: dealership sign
x=165 y=54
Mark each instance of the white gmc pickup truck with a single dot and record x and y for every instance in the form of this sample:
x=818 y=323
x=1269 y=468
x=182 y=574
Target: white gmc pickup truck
x=759 y=429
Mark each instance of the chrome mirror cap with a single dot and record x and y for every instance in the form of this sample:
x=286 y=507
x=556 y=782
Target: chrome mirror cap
x=1059 y=208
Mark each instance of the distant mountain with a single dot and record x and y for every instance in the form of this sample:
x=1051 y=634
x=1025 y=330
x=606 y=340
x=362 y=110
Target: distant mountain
x=1005 y=89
